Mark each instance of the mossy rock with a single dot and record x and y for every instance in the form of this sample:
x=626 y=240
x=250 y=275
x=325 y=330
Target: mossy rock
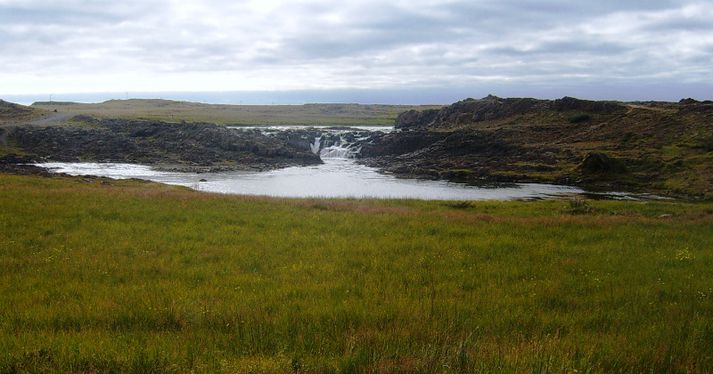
x=456 y=174
x=600 y=163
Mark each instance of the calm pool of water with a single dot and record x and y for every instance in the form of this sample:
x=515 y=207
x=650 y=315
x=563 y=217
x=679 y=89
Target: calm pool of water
x=336 y=178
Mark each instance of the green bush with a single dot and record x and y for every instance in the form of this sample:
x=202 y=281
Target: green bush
x=579 y=118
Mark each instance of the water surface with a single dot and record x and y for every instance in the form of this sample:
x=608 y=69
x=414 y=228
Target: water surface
x=336 y=178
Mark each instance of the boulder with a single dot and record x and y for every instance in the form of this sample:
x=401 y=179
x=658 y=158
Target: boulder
x=600 y=163
x=415 y=119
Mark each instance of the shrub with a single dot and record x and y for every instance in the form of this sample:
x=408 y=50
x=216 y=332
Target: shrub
x=579 y=118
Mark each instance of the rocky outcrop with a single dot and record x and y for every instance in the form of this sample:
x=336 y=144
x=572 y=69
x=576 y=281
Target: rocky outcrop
x=414 y=119
x=568 y=104
x=470 y=156
x=399 y=143
x=601 y=164
x=493 y=108
x=187 y=146
x=595 y=144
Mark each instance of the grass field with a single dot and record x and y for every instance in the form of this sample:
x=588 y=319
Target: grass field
x=132 y=276
x=310 y=114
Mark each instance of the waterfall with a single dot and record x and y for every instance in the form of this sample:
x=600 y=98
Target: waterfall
x=340 y=148
x=338 y=143
x=336 y=152
x=314 y=147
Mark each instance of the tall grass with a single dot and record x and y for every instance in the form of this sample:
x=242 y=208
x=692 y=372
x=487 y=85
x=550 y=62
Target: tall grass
x=131 y=276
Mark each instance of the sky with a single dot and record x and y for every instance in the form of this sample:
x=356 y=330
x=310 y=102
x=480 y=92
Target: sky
x=381 y=51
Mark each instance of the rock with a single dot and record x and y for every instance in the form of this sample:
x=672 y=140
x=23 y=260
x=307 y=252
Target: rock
x=17 y=159
x=399 y=143
x=599 y=107
x=600 y=163
x=492 y=108
x=688 y=101
x=415 y=119
x=152 y=142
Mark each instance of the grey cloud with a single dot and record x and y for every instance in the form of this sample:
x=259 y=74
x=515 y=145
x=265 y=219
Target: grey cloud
x=678 y=24
x=564 y=48
x=389 y=44
x=43 y=16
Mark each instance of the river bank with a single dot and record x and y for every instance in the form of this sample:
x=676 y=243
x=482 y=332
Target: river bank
x=190 y=147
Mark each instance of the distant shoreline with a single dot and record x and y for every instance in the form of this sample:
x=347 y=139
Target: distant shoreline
x=404 y=96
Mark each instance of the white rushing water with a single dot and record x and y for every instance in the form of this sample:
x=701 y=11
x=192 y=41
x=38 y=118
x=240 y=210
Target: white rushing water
x=314 y=147
x=336 y=178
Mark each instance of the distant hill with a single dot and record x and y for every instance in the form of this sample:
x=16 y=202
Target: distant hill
x=53 y=103
x=8 y=109
x=173 y=111
x=11 y=112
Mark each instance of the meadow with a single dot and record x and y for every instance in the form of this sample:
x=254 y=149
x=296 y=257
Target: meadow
x=130 y=276
x=238 y=115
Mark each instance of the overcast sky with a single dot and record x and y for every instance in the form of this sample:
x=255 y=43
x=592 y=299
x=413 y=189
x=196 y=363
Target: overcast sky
x=641 y=49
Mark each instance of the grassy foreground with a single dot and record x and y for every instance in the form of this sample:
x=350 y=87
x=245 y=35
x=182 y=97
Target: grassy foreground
x=133 y=276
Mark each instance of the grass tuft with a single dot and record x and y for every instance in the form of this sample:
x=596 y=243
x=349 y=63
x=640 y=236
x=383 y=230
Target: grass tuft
x=579 y=206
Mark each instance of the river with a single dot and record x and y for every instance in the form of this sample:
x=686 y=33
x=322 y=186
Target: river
x=340 y=176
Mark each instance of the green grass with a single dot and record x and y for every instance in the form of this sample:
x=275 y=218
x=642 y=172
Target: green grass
x=132 y=276
x=8 y=147
x=11 y=150
x=172 y=111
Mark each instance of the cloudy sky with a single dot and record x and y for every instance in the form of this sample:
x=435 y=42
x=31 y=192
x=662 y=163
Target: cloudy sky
x=639 y=49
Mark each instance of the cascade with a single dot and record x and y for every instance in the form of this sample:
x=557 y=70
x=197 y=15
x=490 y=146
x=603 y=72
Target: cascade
x=339 y=148
x=314 y=147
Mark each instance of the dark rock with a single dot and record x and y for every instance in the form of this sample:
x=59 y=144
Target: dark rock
x=600 y=163
x=600 y=107
x=414 y=119
x=486 y=109
x=491 y=108
x=399 y=143
x=151 y=142
x=688 y=101
x=17 y=159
